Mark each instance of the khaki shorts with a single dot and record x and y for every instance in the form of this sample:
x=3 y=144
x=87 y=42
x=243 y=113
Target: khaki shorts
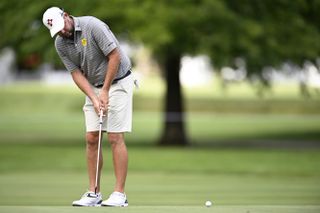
x=119 y=115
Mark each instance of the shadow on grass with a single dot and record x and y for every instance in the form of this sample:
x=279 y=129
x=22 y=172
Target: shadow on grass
x=258 y=144
x=284 y=140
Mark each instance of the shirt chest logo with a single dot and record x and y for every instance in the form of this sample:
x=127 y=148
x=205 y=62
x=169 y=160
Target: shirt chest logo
x=84 y=42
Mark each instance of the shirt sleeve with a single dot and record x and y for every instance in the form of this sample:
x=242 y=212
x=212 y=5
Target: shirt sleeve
x=70 y=66
x=103 y=36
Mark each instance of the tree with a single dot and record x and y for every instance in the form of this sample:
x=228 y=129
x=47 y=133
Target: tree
x=172 y=29
x=263 y=33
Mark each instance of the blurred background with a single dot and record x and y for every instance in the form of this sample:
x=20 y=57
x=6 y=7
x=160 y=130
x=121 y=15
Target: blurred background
x=228 y=107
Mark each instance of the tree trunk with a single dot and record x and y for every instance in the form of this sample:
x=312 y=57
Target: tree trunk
x=174 y=122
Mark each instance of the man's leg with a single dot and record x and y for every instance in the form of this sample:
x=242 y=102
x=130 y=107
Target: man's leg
x=91 y=198
x=92 y=151
x=120 y=159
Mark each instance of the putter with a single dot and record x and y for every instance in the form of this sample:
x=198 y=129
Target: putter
x=98 y=157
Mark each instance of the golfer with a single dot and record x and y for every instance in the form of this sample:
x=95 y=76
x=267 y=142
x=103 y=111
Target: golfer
x=98 y=66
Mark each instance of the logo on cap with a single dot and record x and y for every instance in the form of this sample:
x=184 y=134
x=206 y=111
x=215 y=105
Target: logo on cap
x=49 y=22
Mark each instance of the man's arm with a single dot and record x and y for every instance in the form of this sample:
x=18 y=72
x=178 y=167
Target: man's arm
x=113 y=65
x=85 y=86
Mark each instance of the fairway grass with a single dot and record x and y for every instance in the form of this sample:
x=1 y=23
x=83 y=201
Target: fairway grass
x=163 y=209
x=163 y=192
x=236 y=159
x=52 y=114
x=202 y=128
x=55 y=175
x=160 y=188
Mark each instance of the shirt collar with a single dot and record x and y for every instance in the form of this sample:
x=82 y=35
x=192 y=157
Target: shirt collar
x=77 y=28
x=76 y=24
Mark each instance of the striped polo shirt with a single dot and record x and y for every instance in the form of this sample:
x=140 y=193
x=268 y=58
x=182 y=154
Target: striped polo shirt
x=93 y=41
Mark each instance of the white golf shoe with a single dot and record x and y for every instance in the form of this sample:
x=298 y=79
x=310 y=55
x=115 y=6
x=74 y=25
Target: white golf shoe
x=116 y=199
x=89 y=199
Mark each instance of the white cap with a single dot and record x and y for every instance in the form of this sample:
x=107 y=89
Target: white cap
x=53 y=20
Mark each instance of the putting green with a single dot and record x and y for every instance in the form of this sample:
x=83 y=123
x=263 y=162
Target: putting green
x=162 y=189
x=161 y=209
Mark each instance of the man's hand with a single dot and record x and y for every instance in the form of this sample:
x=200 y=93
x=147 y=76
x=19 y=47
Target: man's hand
x=96 y=104
x=104 y=101
x=113 y=60
x=85 y=86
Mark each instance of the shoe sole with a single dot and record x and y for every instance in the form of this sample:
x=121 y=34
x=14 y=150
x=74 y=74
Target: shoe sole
x=76 y=205
x=123 y=205
x=95 y=205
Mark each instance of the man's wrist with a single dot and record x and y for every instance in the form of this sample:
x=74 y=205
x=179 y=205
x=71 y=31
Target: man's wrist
x=105 y=88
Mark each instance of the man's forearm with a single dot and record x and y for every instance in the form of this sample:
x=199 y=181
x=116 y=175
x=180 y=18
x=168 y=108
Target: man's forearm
x=113 y=66
x=83 y=84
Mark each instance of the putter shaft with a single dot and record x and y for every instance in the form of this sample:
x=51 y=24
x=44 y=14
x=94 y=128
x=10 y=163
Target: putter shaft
x=98 y=154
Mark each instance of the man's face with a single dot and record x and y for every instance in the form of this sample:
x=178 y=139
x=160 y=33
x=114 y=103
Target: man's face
x=68 y=29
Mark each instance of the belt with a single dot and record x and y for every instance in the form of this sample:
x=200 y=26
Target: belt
x=116 y=80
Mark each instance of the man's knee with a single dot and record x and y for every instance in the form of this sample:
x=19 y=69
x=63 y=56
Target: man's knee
x=115 y=138
x=92 y=138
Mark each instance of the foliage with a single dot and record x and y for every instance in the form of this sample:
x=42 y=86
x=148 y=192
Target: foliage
x=271 y=32
x=264 y=33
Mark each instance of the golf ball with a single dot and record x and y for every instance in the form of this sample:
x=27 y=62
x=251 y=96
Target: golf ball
x=208 y=203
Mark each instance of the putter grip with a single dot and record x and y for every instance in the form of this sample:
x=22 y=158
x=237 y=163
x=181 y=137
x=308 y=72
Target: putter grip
x=100 y=118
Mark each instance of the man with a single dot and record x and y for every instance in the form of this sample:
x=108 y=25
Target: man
x=90 y=51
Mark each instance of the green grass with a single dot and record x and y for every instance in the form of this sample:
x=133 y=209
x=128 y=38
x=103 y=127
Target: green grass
x=176 y=160
x=55 y=175
x=173 y=209
x=163 y=189
x=35 y=113
x=247 y=154
x=203 y=128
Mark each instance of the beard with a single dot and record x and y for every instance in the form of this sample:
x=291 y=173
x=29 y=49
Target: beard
x=67 y=34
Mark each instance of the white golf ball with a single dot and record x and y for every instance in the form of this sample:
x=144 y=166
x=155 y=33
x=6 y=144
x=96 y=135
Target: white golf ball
x=208 y=203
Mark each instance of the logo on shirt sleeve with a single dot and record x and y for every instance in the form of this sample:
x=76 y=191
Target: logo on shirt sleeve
x=84 y=42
